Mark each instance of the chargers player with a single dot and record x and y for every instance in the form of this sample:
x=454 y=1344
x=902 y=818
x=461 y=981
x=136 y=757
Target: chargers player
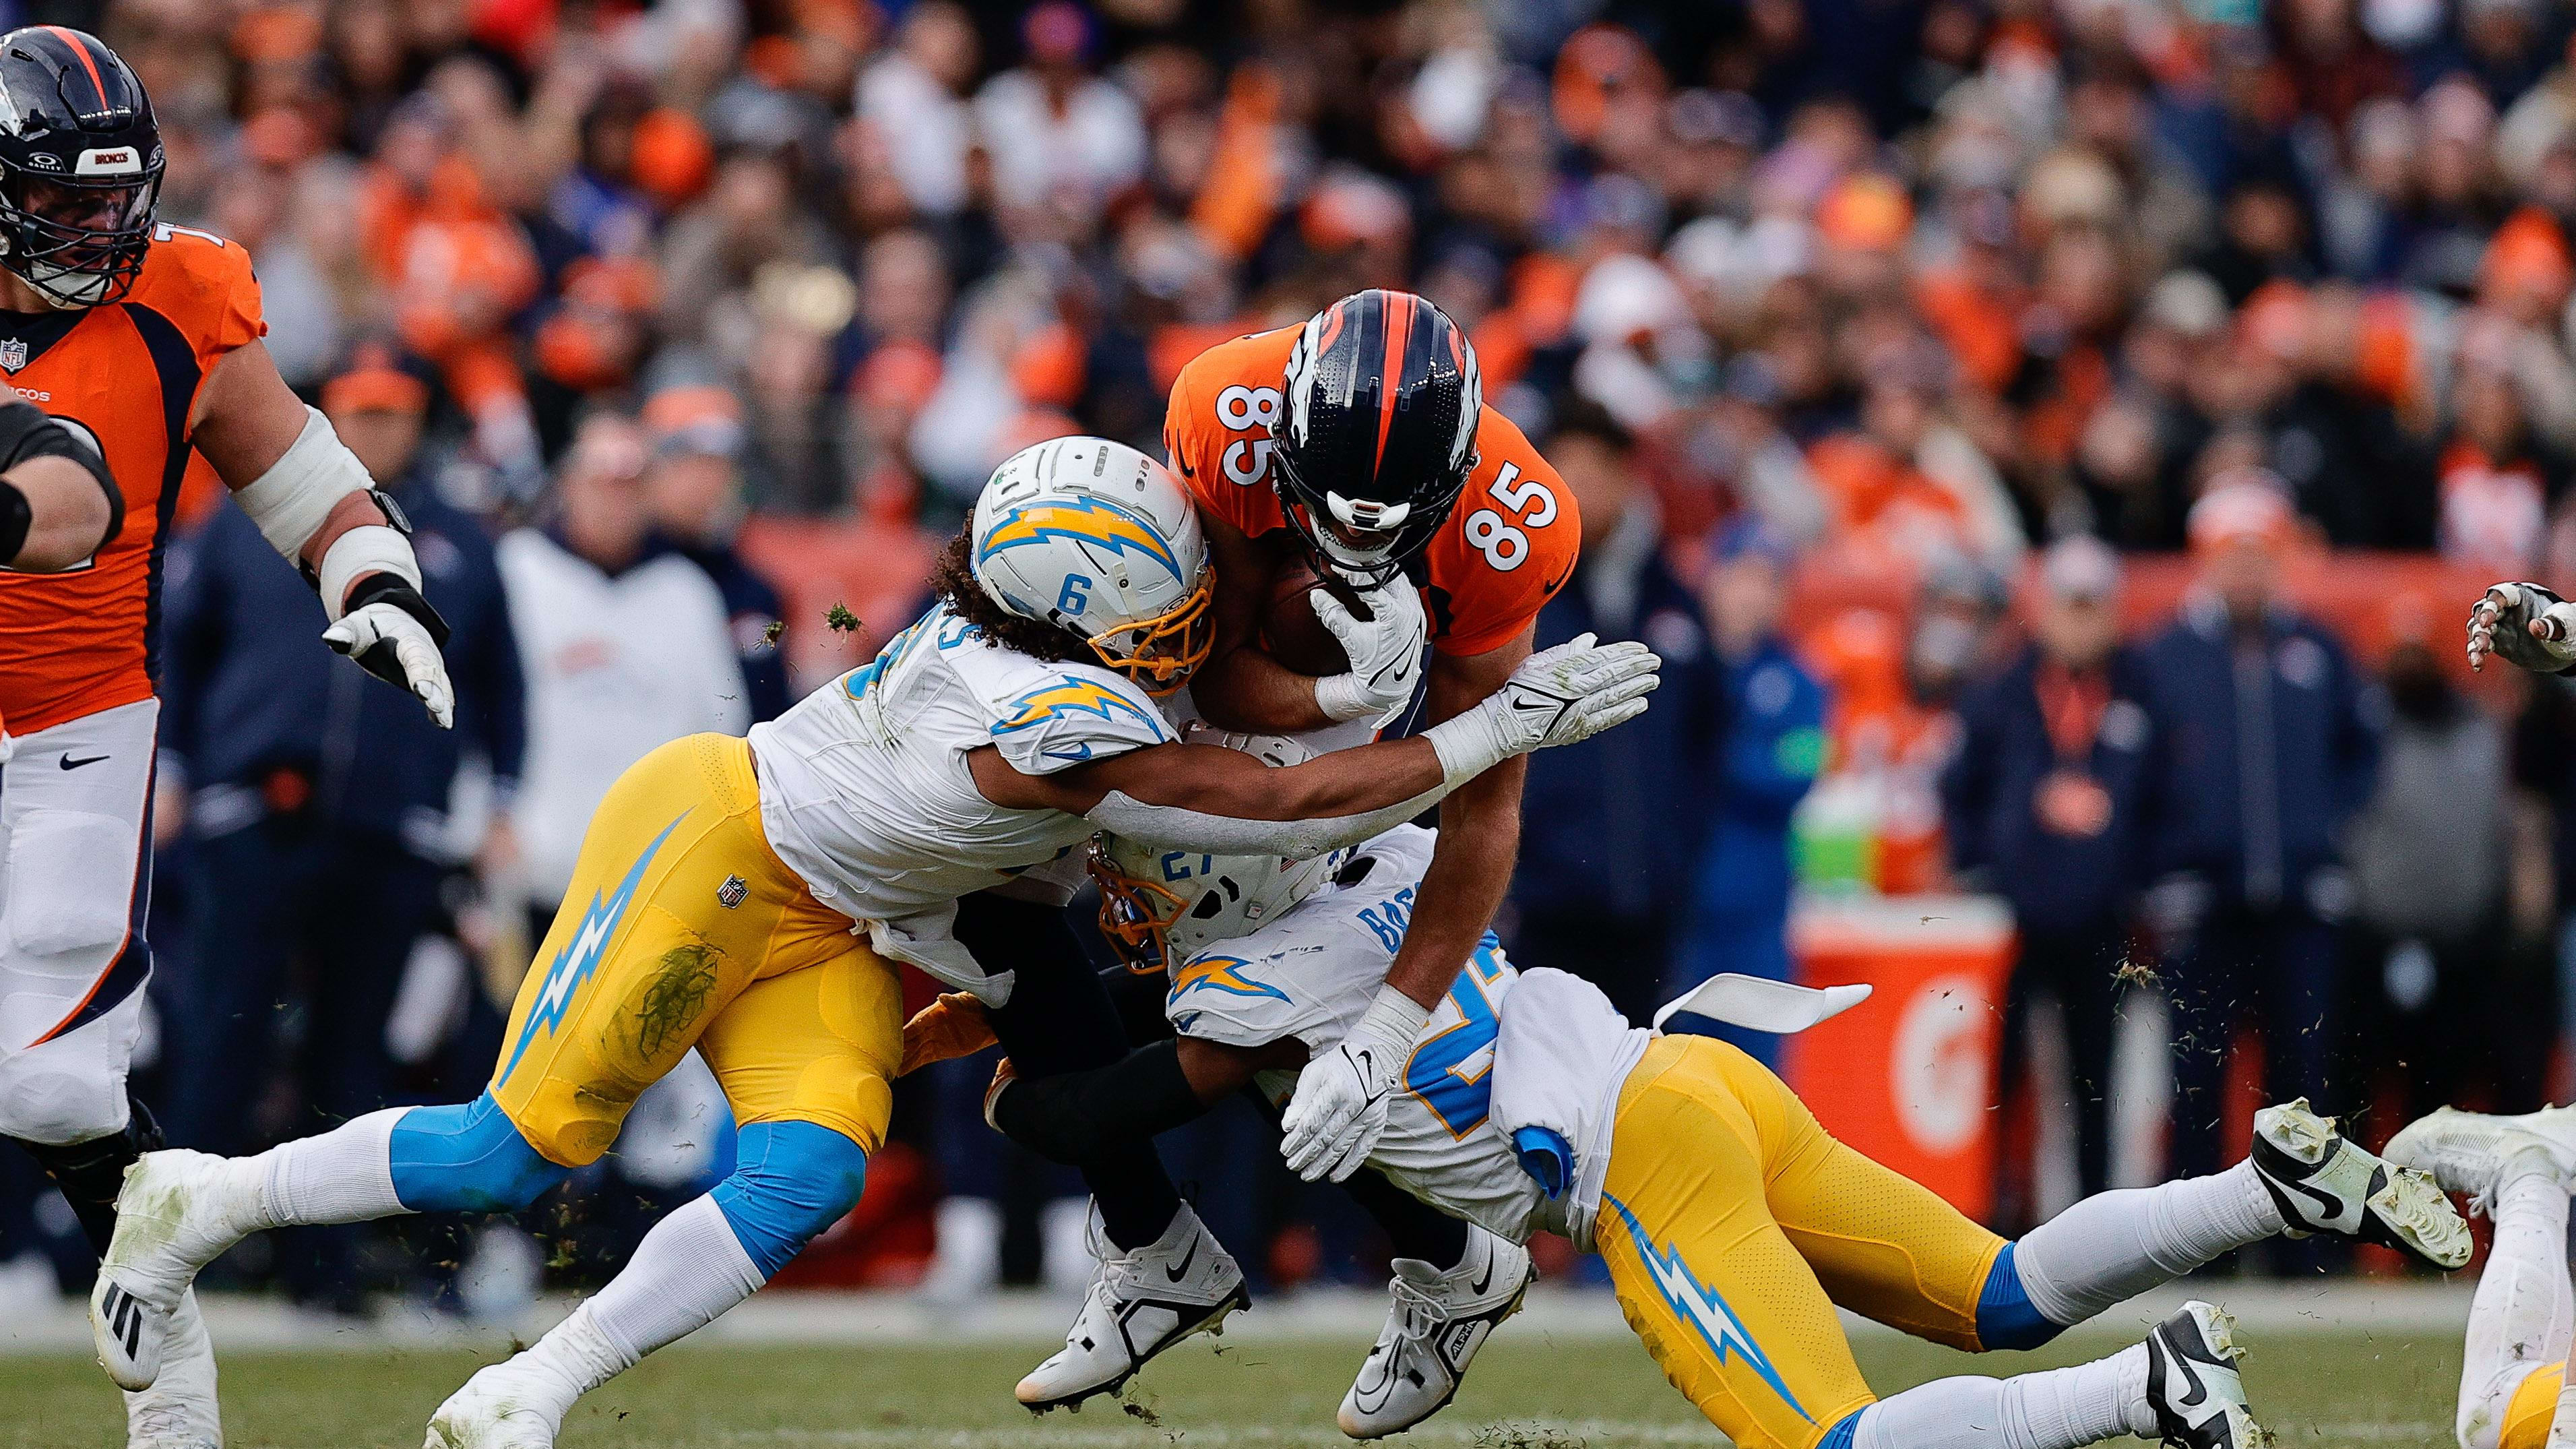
x=1732 y=1224
x=2522 y=1324
x=130 y=347
x=1358 y=444
x=743 y=896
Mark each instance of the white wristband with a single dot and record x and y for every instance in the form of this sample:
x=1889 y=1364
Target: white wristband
x=372 y=548
x=1395 y=1019
x=1468 y=744
x=1338 y=697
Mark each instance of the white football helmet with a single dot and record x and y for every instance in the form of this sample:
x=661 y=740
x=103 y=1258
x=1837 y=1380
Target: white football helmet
x=1161 y=907
x=1099 y=540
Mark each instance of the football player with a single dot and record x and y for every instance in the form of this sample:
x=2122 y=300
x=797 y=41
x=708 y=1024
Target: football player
x=744 y=897
x=2522 y=1324
x=130 y=347
x=1731 y=1222
x=1357 y=445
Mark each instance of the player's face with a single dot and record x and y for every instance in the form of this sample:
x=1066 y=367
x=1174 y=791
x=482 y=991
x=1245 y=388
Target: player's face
x=103 y=209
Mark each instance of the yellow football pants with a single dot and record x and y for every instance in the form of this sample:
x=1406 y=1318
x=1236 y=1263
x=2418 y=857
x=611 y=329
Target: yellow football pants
x=684 y=929
x=1733 y=1224
x=2534 y=1404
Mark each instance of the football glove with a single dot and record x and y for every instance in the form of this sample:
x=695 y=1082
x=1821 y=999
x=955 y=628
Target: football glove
x=2525 y=624
x=1339 y=1109
x=1385 y=651
x=395 y=635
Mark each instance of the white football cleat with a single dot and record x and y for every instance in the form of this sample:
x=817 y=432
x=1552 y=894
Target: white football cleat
x=2323 y=1182
x=2192 y=1383
x=508 y=1405
x=179 y=1410
x=2466 y=1152
x=1438 y=1322
x=1140 y=1304
x=177 y=1212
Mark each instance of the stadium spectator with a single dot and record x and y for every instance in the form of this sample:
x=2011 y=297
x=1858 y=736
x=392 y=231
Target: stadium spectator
x=1768 y=752
x=2046 y=804
x=1609 y=833
x=2268 y=739
x=318 y=801
x=623 y=650
x=693 y=491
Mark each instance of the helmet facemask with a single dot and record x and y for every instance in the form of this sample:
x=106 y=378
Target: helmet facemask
x=1134 y=913
x=1161 y=653
x=77 y=243
x=1357 y=537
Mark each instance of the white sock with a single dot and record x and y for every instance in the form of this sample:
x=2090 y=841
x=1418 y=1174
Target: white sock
x=2524 y=1314
x=345 y=1175
x=688 y=1270
x=2562 y=1427
x=2055 y=1409
x=2115 y=1245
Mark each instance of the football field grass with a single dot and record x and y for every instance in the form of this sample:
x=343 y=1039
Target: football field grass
x=2326 y=1390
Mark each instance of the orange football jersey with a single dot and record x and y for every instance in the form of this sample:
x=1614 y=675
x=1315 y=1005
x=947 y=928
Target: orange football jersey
x=125 y=377
x=1508 y=545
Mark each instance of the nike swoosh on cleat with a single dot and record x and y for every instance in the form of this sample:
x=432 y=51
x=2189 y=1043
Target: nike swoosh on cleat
x=1183 y=1271
x=1485 y=1282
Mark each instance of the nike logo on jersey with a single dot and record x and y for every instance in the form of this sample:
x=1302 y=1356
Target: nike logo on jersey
x=1699 y=1305
x=69 y=763
x=580 y=959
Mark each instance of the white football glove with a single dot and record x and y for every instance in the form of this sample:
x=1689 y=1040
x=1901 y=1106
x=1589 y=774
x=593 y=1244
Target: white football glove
x=1385 y=651
x=2526 y=625
x=1339 y=1109
x=397 y=648
x=1557 y=697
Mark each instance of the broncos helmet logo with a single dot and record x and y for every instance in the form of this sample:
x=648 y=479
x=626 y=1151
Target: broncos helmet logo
x=1222 y=973
x=1070 y=696
x=1699 y=1305
x=1084 y=520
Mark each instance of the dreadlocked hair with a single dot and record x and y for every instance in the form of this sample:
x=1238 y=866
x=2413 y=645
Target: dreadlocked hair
x=953 y=578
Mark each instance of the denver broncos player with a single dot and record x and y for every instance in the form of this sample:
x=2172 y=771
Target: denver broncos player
x=1359 y=445
x=1731 y=1223
x=128 y=347
x=743 y=898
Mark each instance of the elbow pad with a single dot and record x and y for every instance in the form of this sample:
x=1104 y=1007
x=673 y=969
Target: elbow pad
x=292 y=499
x=28 y=431
x=1173 y=827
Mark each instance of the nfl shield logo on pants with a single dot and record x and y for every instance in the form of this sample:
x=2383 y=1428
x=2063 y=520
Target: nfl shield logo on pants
x=731 y=893
x=13 y=353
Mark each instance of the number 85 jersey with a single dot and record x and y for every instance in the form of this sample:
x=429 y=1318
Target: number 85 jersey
x=1507 y=547
x=1310 y=973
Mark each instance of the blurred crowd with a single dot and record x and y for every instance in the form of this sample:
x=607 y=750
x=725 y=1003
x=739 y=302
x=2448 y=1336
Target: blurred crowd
x=1879 y=342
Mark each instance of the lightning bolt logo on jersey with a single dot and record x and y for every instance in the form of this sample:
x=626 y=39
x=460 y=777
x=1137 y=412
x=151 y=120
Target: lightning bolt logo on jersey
x=1071 y=696
x=1094 y=521
x=1699 y=1305
x=1221 y=973
x=577 y=961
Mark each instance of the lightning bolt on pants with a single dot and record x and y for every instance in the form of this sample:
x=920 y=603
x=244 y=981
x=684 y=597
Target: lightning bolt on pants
x=684 y=930
x=1733 y=1224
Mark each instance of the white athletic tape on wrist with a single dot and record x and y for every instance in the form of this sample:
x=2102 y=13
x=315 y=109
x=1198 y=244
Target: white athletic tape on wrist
x=371 y=548
x=1468 y=744
x=292 y=499
x=1338 y=697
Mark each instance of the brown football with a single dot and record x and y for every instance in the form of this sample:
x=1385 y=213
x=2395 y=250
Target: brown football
x=1289 y=628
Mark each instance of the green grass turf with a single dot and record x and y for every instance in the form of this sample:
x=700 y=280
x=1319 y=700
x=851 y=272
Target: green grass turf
x=2317 y=1391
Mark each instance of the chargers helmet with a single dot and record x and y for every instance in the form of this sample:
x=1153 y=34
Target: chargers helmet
x=1158 y=907
x=80 y=166
x=1378 y=433
x=1099 y=540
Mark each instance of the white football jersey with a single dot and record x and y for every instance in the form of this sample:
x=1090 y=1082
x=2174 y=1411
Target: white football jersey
x=864 y=788
x=1310 y=973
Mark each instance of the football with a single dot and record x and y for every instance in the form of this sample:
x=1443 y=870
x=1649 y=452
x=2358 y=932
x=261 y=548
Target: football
x=1289 y=628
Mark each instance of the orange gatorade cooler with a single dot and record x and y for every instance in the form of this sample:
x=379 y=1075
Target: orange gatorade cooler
x=1907 y=1076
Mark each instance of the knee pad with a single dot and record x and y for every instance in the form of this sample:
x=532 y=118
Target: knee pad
x=2006 y=1318
x=57 y=1098
x=467 y=1158
x=791 y=1180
